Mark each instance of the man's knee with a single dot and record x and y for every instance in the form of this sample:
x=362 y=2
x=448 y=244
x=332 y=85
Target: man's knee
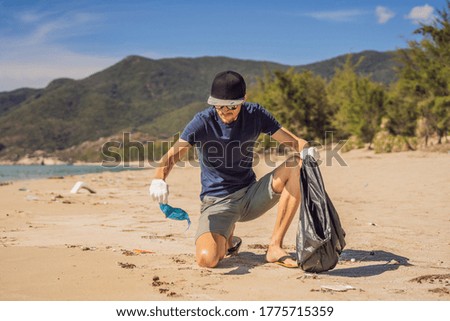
x=291 y=168
x=206 y=259
x=287 y=174
x=210 y=249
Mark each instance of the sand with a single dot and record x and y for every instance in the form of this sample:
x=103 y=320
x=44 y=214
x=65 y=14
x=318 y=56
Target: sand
x=55 y=245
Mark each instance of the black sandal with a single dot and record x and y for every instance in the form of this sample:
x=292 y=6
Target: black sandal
x=234 y=250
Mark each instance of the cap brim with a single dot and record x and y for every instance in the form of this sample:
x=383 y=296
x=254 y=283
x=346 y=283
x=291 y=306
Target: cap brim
x=222 y=102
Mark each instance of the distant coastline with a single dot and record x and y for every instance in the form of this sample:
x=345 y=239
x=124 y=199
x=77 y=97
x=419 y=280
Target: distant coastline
x=18 y=172
x=39 y=160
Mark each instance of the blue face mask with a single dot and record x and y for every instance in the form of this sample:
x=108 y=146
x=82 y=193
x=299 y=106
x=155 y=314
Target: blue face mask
x=175 y=213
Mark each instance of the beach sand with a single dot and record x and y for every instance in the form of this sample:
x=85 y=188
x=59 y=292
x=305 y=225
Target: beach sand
x=395 y=209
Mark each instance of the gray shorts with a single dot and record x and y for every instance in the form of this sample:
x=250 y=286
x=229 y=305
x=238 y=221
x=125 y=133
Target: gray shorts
x=218 y=214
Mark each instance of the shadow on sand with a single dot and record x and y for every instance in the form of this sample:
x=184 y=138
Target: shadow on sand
x=243 y=263
x=388 y=262
x=383 y=262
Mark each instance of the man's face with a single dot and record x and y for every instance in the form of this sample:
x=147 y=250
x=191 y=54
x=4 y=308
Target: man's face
x=228 y=114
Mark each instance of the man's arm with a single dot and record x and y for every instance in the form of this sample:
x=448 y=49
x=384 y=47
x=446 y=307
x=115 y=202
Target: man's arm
x=175 y=153
x=284 y=136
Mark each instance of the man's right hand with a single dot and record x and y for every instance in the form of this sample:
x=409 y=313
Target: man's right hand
x=159 y=190
x=311 y=151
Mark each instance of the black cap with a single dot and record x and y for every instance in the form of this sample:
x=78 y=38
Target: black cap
x=228 y=88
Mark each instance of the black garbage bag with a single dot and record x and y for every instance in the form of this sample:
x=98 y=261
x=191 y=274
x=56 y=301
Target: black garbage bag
x=320 y=237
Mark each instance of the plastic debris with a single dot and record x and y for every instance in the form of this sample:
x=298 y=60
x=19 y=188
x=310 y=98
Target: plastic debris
x=337 y=288
x=175 y=213
x=80 y=185
x=138 y=251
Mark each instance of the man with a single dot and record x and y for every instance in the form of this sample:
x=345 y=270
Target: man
x=224 y=135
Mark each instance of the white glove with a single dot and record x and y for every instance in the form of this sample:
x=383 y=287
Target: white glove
x=311 y=151
x=159 y=190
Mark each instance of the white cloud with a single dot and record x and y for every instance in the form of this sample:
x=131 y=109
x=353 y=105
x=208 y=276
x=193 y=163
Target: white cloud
x=44 y=64
x=338 y=15
x=421 y=14
x=35 y=57
x=45 y=27
x=383 y=14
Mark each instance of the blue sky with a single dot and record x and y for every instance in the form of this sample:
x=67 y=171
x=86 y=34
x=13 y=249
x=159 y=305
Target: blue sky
x=44 y=40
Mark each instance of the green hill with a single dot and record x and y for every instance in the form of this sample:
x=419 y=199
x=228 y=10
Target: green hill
x=155 y=97
x=379 y=66
x=12 y=99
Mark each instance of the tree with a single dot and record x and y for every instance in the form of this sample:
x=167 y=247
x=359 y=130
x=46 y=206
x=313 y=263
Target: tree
x=401 y=112
x=424 y=76
x=357 y=101
x=297 y=100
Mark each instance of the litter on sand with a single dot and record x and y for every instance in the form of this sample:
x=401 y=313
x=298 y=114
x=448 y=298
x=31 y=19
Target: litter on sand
x=138 y=251
x=175 y=213
x=337 y=288
x=80 y=185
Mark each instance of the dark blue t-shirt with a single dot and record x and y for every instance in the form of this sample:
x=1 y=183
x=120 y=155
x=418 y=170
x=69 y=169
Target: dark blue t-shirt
x=226 y=150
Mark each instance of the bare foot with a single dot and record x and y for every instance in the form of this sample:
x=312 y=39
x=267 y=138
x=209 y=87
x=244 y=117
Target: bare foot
x=276 y=254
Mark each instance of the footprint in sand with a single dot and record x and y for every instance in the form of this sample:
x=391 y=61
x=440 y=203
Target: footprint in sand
x=440 y=291
x=433 y=279
x=128 y=253
x=178 y=260
x=258 y=246
x=439 y=279
x=163 y=289
x=126 y=265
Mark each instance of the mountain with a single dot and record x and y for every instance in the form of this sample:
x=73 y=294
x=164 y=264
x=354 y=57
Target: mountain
x=379 y=66
x=12 y=99
x=156 y=97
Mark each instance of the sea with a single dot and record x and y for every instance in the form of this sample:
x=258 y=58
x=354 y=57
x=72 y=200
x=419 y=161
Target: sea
x=23 y=172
